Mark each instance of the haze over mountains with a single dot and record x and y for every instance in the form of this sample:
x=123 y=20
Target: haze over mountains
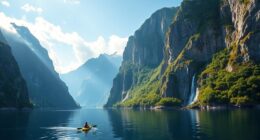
x=43 y=83
x=90 y=83
x=13 y=89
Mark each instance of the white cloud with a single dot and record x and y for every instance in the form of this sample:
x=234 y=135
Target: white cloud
x=30 y=8
x=5 y=3
x=115 y=45
x=56 y=41
x=72 y=1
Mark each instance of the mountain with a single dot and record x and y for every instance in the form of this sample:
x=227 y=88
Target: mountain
x=143 y=53
x=46 y=89
x=211 y=58
x=35 y=46
x=91 y=82
x=13 y=89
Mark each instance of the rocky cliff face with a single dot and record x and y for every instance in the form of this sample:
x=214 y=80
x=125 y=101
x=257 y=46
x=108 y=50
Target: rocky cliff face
x=237 y=79
x=46 y=89
x=194 y=37
x=144 y=49
x=244 y=38
x=90 y=83
x=209 y=43
x=150 y=35
x=13 y=89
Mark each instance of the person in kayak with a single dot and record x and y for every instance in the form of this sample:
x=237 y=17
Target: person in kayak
x=86 y=125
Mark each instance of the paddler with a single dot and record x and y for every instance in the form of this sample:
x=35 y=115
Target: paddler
x=86 y=125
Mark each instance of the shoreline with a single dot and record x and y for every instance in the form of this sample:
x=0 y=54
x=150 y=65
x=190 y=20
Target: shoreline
x=216 y=107
x=152 y=108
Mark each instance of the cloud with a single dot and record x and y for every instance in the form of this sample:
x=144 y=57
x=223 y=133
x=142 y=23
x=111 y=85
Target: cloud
x=30 y=8
x=115 y=44
x=67 y=50
x=72 y=1
x=5 y=3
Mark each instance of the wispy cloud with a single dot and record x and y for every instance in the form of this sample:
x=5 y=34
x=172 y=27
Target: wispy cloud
x=5 y=3
x=55 y=40
x=30 y=8
x=72 y=1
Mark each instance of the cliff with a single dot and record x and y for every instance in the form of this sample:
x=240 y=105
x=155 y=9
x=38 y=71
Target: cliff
x=210 y=57
x=46 y=89
x=144 y=52
x=13 y=89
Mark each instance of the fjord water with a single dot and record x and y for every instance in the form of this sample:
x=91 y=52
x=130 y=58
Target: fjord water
x=131 y=124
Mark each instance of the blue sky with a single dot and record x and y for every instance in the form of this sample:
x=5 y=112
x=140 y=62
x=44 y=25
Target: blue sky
x=90 y=22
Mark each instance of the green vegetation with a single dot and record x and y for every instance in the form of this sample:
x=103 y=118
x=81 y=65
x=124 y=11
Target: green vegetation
x=145 y=100
x=240 y=87
x=146 y=90
x=226 y=80
x=246 y=2
x=169 y=102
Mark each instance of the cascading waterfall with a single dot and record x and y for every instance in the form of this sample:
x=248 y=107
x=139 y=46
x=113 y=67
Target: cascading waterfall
x=126 y=97
x=196 y=96
x=194 y=91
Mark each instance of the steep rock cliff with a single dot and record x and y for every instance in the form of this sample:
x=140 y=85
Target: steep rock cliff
x=197 y=33
x=144 y=50
x=209 y=43
x=13 y=89
x=233 y=76
x=46 y=89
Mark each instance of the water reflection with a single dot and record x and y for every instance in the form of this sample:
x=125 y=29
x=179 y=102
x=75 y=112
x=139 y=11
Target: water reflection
x=137 y=125
x=131 y=124
x=231 y=124
x=185 y=124
x=13 y=123
x=30 y=124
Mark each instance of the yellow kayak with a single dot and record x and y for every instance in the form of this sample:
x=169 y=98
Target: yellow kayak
x=86 y=129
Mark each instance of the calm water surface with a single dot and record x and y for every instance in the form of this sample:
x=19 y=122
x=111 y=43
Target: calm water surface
x=131 y=124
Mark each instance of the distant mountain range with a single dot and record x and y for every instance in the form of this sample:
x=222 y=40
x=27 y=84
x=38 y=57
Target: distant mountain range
x=90 y=83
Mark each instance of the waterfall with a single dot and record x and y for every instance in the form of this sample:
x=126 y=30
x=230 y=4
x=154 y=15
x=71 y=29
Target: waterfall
x=194 y=91
x=126 y=97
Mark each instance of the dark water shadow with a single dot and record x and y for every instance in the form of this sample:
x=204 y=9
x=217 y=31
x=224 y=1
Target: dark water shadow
x=31 y=125
x=185 y=124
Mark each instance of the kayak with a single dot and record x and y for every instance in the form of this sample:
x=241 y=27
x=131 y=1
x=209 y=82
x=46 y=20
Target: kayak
x=84 y=129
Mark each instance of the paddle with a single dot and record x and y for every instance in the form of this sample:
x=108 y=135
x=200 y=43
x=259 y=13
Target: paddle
x=93 y=126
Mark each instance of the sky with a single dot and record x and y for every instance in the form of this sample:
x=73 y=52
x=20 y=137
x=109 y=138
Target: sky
x=74 y=31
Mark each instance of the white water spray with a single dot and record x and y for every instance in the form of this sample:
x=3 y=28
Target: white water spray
x=194 y=91
x=126 y=97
